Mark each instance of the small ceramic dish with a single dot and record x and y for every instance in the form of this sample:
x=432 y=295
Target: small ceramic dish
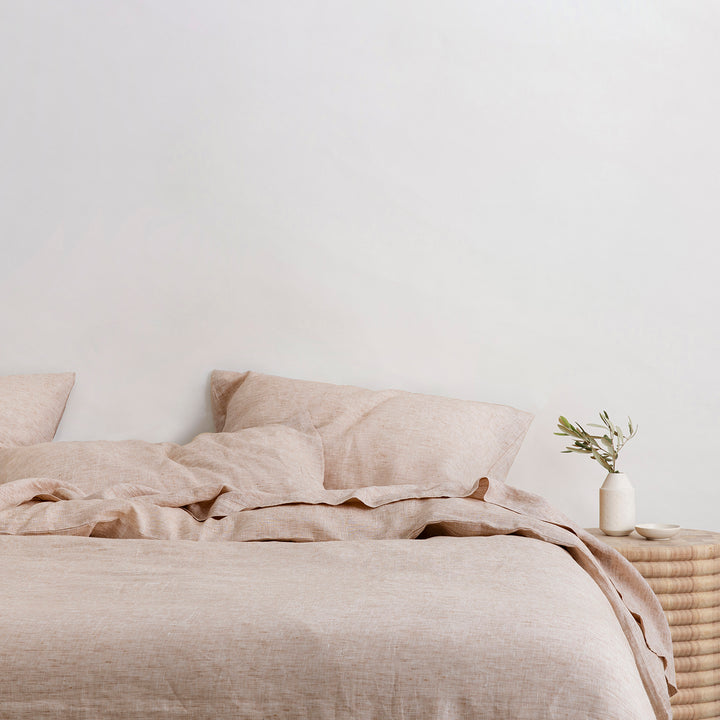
x=655 y=531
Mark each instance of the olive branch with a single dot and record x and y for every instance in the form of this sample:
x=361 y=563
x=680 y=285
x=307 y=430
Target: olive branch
x=603 y=448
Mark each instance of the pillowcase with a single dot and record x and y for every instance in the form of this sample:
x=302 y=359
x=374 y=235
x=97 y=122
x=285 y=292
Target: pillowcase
x=379 y=438
x=261 y=465
x=31 y=407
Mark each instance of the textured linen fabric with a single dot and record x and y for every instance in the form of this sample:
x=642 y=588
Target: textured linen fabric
x=487 y=507
x=371 y=438
x=227 y=472
x=31 y=407
x=488 y=628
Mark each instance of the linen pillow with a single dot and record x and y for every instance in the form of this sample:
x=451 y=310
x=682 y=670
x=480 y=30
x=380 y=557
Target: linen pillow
x=31 y=407
x=379 y=438
x=264 y=465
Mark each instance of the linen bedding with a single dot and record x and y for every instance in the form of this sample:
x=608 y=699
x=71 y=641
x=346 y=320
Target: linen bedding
x=31 y=407
x=445 y=594
x=386 y=437
x=504 y=610
x=454 y=628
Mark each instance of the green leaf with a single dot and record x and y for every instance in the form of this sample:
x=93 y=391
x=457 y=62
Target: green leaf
x=620 y=434
x=563 y=423
x=602 y=460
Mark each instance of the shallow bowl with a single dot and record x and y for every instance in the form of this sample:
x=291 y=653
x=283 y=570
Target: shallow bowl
x=657 y=531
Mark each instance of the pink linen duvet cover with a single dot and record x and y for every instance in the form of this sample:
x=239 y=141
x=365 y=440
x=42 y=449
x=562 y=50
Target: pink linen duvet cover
x=505 y=610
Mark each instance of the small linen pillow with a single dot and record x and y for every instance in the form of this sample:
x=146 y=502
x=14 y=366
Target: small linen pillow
x=273 y=463
x=379 y=438
x=31 y=407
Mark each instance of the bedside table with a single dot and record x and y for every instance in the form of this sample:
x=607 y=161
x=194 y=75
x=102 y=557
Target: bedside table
x=684 y=572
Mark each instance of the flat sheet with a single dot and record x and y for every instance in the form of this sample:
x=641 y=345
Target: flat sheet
x=583 y=634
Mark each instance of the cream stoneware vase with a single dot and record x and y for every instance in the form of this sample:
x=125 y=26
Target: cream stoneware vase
x=617 y=505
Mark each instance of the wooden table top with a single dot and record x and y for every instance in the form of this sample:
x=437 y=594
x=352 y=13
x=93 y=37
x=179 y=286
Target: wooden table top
x=686 y=545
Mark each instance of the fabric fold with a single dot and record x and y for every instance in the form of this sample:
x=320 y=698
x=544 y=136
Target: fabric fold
x=196 y=510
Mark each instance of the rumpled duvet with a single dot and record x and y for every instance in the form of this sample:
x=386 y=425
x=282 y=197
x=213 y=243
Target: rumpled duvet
x=504 y=609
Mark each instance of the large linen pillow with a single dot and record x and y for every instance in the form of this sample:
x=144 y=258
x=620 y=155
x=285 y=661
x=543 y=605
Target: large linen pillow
x=379 y=438
x=31 y=407
x=273 y=463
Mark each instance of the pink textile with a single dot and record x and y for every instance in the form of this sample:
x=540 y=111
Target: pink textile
x=31 y=407
x=387 y=437
x=483 y=508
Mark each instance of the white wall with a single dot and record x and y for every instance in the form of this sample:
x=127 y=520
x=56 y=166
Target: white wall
x=513 y=202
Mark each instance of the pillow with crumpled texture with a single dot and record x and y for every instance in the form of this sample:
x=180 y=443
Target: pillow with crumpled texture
x=31 y=407
x=255 y=467
x=390 y=437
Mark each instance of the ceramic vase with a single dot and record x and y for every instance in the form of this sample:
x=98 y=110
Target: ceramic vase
x=617 y=505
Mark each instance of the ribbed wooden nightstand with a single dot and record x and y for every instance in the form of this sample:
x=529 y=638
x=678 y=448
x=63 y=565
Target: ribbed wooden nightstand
x=684 y=573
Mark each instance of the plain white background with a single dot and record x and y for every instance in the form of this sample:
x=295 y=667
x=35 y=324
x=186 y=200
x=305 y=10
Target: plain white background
x=510 y=202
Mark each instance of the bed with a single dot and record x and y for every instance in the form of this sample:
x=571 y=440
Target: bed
x=148 y=580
